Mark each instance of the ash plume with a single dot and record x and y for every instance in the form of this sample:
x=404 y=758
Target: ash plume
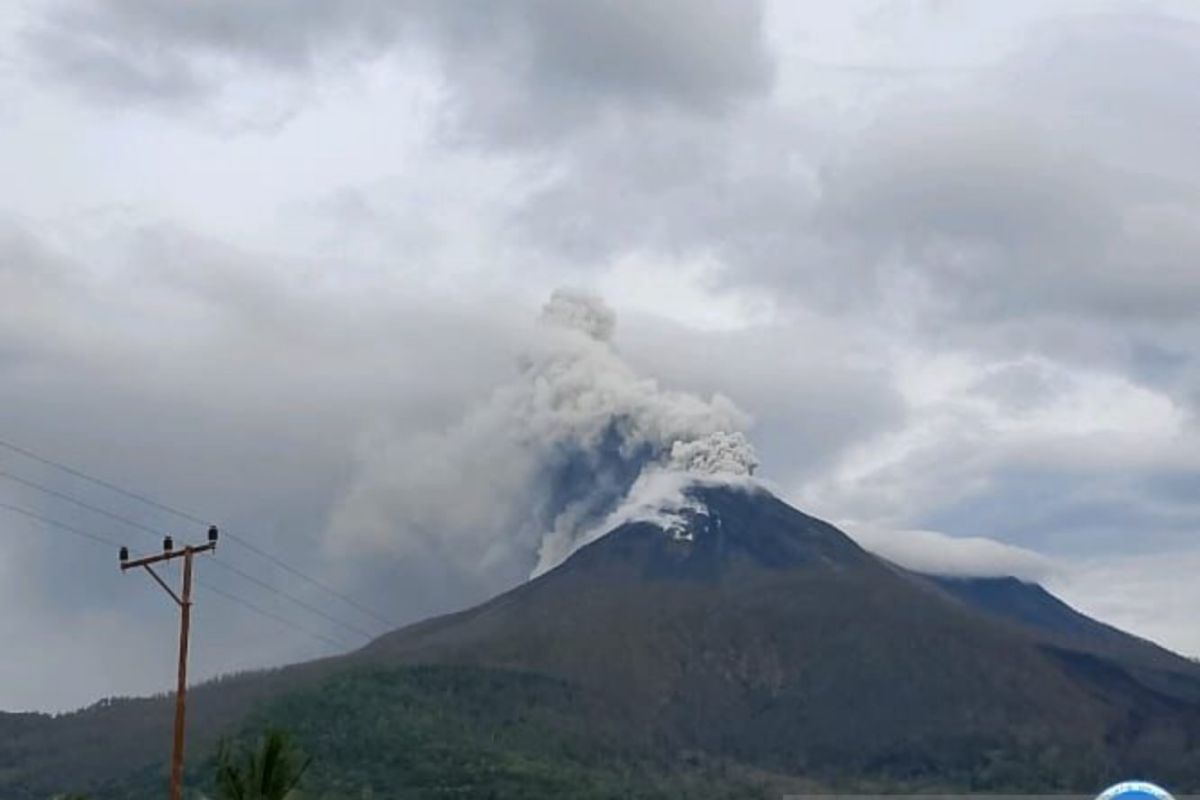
x=574 y=444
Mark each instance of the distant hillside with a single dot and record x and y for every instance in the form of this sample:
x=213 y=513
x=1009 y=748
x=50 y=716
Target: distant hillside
x=762 y=650
x=1052 y=621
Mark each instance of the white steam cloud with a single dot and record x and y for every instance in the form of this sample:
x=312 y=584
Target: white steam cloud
x=574 y=445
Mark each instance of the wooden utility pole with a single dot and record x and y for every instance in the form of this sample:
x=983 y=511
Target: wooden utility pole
x=185 y=620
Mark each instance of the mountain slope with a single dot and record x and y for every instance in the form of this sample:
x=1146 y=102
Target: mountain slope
x=1049 y=619
x=756 y=638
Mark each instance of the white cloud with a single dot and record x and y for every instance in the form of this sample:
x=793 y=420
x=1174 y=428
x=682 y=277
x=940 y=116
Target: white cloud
x=936 y=553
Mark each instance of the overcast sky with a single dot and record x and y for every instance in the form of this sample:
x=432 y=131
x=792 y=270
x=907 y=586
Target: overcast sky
x=945 y=255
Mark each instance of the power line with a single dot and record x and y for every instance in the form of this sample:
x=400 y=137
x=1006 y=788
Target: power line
x=77 y=502
x=216 y=590
x=296 y=600
x=64 y=526
x=151 y=531
x=323 y=587
x=98 y=481
x=141 y=498
x=264 y=613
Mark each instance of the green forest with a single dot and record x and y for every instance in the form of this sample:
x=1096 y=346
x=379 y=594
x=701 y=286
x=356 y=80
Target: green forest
x=464 y=732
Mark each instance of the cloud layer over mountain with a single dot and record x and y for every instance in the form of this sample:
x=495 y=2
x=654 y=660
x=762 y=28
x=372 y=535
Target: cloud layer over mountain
x=256 y=258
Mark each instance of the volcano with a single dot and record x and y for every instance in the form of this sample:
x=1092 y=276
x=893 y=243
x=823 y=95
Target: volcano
x=750 y=644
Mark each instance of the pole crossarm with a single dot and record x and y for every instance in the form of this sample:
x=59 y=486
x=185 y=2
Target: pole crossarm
x=167 y=556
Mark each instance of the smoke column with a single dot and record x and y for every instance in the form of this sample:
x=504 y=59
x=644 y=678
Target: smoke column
x=574 y=445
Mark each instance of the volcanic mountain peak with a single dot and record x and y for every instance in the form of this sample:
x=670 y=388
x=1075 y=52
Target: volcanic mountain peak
x=721 y=529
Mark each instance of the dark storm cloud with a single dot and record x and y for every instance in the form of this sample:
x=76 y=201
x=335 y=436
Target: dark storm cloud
x=517 y=70
x=1033 y=223
x=1013 y=211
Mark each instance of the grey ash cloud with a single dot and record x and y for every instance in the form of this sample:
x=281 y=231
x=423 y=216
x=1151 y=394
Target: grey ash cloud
x=536 y=468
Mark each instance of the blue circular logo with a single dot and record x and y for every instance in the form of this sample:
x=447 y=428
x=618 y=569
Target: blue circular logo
x=1135 y=790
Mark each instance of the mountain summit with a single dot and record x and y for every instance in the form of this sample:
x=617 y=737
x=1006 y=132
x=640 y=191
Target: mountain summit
x=746 y=635
x=727 y=531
